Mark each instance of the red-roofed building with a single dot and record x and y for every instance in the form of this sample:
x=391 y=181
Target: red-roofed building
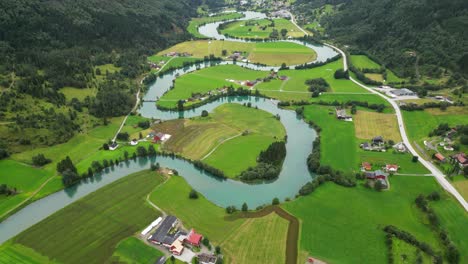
x=391 y=168
x=439 y=157
x=193 y=238
x=461 y=159
x=366 y=166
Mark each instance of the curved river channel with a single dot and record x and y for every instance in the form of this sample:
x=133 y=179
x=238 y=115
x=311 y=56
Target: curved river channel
x=223 y=192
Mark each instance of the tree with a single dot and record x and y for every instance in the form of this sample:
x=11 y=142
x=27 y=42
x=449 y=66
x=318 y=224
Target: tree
x=180 y=105
x=415 y=159
x=151 y=150
x=245 y=207
x=66 y=164
x=224 y=52
x=3 y=153
x=378 y=186
x=275 y=201
x=218 y=250
x=204 y=113
x=97 y=167
x=69 y=177
x=140 y=135
x=98 y=71
x=172 y=258
x=105 y=146
x=300 y=111
x=40 y=160
x=206 y=242
x=142 y=151
x=123 y=136
x=193 y=194
x=126 y=155
x=353 y=109
x=284 y=32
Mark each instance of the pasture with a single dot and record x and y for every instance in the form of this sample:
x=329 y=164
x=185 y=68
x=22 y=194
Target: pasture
x=274 y=53
x=337 y=138
x=364 y=62
x=196 y=137
x=26 y=179
x=78 y=93
x=260 y=28
x=365 y=213
x=371 y=124
x=406 y=253
x=133 y=250
x=461 y=184
x=258 y=240
x=88 y=230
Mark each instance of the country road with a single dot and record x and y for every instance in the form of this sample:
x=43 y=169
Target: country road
x=440 y=177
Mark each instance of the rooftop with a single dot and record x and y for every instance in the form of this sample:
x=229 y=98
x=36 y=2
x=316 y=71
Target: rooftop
x=161 y=234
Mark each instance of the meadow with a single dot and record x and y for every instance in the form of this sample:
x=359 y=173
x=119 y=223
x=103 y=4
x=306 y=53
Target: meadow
x=270 y=53
x=80 y=94
x=133 y=250
x=232 y=234
x=25 y=178
x=461 y=184
x=196 y=137
x=96 y=223
x=364 y=62
x=254 y=28
x=337 y=138
x=405 y=253
x=356 y=234
x=170 y=62
x=371 y=124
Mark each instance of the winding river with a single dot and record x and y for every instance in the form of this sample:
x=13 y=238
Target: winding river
x=223 y=192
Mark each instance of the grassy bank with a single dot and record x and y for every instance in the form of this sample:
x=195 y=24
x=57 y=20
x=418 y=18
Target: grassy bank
x=260 y=28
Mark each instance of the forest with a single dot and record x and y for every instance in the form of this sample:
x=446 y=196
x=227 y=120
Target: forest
x=402 y=34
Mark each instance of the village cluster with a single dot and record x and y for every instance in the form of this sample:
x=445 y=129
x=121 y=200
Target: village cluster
x=169 y=236
x=153 y=136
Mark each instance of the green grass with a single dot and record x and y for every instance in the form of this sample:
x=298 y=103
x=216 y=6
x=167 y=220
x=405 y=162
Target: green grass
x=197 y=137
x=196 y=22
x=405 y=253
x=363 y=214
x=133 y=250
x=236 y=155
x=24 y=178
x=338 y=142
x=80 y=94
x=208 y=79
x=16 y=253
x=364 y=62
x=88 y=230
x=170 y=62
x=240 y=29
x=266 y=53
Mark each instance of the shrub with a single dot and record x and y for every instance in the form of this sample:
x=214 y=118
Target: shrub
x=40 y=160
x=193 y=194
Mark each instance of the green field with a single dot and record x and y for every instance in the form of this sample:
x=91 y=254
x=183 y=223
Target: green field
x=133 y=250
x=232 y=234
x=80 y=94
x=270 y=53
x=197 y=137
x=404 y=253
x=96 y=223
x=24 y=178
x=337 y=139
x=364 y=62
x=242 y=29
x=364 y=214
x=196 y=22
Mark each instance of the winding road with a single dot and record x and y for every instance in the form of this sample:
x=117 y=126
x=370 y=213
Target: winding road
x=440 y=177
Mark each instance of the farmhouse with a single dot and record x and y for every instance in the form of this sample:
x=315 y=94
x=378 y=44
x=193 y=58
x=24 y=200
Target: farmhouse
x=400 y=147
x=205 y=258
x=341 y=115
x=439 y=157
x=160 y=137
x=402 y=92
x=161 y=236
x=378 y=174
x=377 y=141
x=193 y=238
x=113 y=145
x=366 y=166
x=366 y=146
x=461 y=159
x=391 y=168
x=134 y=142
x=176 y=248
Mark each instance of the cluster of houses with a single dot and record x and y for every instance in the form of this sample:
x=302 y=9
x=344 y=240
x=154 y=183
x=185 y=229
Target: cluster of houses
x=156 y=66
x=459 y=159
x=169 y=236
x=342 y=115
x=380 y=175
x=202 y=97
x=282 y=13
x=238 y=56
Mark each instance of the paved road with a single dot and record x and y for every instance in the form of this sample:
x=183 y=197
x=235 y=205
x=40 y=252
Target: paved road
x=440 y=177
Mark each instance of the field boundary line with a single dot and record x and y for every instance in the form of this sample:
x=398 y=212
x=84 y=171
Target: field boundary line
x=224 y=141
